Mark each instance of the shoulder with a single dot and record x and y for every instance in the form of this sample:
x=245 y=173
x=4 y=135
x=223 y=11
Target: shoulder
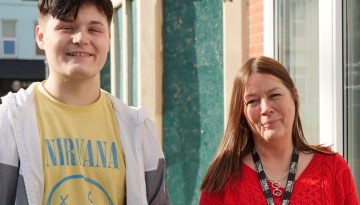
x=247 y=160
x=12 y=110
x=137 y=117
x=329 y=156
x=14 y=102
x=20 y=98
x=333 y=161
x=340 y=163
x=344 y=182
x=127 y=114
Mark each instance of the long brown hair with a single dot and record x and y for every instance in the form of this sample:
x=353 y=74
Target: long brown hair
x=237 y=140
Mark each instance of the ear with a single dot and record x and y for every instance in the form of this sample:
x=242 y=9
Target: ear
x=39 y=35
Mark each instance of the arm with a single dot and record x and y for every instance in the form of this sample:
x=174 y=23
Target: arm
x=344 y=186
x=351 y=196
x=9 y=163
x=154 y=163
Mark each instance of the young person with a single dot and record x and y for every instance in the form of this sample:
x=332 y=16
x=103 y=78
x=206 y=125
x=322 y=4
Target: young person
x=264 y=157
x=66 y=141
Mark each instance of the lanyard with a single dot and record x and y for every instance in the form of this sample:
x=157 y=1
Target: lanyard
x=262 y=177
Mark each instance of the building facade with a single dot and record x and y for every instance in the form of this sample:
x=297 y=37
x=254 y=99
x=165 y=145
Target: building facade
x=178 y=60
x=21 y=61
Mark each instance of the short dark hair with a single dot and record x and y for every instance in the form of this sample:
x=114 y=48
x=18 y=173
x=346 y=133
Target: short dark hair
x=68 y=9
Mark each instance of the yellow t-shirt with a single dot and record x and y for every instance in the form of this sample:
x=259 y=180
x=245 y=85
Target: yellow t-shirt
x=83 y=160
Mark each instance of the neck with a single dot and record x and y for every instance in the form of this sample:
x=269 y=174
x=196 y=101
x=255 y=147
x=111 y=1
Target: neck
x=275 y=157
x=73 y=92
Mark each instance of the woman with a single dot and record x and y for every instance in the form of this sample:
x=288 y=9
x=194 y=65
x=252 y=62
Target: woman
x=263 y=157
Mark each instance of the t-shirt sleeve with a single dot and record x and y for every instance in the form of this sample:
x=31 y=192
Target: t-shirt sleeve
x=344 y=185
x=211 y=199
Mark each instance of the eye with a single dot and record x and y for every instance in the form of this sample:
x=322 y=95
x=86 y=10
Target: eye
x=95 y=30
x=251 y=102
x=66 y=28
x=275 y=95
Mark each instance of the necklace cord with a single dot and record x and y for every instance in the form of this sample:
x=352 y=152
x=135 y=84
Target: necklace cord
x=274 y=180
x=275 y=183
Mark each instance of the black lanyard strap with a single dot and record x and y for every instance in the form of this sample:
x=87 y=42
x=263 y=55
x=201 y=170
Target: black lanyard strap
x=264 y=184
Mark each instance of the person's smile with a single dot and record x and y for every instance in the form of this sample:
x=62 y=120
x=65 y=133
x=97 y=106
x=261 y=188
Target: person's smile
x=270 y=124
x=79 y=54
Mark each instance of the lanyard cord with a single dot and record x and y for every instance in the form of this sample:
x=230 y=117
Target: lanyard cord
x=262 y=177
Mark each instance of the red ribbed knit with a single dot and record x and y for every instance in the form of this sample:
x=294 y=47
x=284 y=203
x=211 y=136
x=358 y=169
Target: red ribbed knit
x=326 y=180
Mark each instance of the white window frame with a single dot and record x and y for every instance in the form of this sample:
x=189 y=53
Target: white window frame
x=126 y=54
x=269 y=25
x=330 y=72
x=330 y=67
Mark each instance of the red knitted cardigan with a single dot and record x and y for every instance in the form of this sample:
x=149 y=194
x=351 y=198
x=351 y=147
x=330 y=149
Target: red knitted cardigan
x=326 y=180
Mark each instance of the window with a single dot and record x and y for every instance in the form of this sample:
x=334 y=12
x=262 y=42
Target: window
x=124 y=52
x=8 y=41
x=117 y=53
x=136 y=55
x=9 y=46
x=298 y=50
x=9 y=28
x=134 y=69
x=336 y=34
x=351 y=37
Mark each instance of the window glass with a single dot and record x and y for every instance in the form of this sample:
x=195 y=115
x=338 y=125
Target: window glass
x=9 y=28
x=352 y=86
x=126 y=53
x=119 y=52
x=9 y=47
x=298 y=39
x=134 y=71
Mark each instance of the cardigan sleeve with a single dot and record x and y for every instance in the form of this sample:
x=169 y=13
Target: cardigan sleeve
x=211 y=199
x=344 y=186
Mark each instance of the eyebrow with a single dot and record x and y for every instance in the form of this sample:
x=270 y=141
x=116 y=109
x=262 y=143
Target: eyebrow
x=91 y=22
x=269 y=91
x=96 y=23
x=67 y=20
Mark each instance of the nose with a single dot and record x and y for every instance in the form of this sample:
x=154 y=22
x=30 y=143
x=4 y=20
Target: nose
x=80 y=38
x=266 y=107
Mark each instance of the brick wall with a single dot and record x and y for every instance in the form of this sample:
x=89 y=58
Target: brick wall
x=256 y=27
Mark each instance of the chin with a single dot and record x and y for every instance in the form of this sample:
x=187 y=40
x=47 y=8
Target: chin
x=270 y=135
x=82 y=72
x=79 y=75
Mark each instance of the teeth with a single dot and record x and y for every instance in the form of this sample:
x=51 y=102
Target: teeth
x=79 y=54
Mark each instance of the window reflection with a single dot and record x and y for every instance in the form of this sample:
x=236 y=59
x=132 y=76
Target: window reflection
x=352 y=86
x=298 y=39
